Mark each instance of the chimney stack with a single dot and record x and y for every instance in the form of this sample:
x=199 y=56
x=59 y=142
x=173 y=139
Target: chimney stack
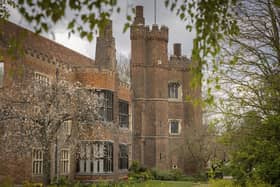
x=177 y=49
x=139 y=19
x=107 y=31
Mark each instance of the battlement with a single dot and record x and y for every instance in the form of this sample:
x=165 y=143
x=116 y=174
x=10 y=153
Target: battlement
x=141 y=31
x=157 y=33
x=145 y=32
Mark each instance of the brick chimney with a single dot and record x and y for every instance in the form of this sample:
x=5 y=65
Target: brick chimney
x=107 y=32
x=139 y=19
x=177 y=49
x=105 y=52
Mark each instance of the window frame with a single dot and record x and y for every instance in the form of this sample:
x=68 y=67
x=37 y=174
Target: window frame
x=37 y=162
x=63 y=161
x=43 y=79
x=123 y=115
x=170 y=126
x=106 y=111
x=177 y=96
x=90 y=160
x=123 y=158
x=67 y=127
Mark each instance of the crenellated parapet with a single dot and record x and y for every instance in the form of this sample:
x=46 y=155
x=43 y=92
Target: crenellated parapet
x=144 y=32
x=157 y=33
x=138 y=32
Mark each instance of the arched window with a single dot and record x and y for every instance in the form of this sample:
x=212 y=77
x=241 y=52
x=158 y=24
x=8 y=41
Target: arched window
x=174 y=90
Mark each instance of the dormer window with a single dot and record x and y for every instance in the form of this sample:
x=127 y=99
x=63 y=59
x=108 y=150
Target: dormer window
x=174 y=90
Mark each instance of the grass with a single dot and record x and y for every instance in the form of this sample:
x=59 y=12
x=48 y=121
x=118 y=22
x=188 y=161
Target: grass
x=150 y=183
x=155 y=183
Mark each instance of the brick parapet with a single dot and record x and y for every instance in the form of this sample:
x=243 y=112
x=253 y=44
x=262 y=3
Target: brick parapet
x=144 y=32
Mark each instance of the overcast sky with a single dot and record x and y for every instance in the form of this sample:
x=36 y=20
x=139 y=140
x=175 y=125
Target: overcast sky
x=177 y=31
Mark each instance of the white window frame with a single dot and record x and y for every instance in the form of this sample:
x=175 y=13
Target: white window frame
x=2 y=66
x=64 y=162
x=180 y=92
x=37 y=162
x=179 y=126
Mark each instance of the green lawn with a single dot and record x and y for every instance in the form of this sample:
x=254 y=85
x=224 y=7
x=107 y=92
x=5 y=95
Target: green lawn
x=150 y=183
x=154 y=183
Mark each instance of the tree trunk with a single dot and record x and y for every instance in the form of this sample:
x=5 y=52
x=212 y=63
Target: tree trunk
x=46 y=166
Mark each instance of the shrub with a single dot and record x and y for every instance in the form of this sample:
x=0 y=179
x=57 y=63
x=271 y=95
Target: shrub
x=167 y=174
x=29 y=184
x=222 y=183
x=230 y=183
x=7 y=182
x=139 y=173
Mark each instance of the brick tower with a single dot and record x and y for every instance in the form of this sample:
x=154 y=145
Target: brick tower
x=159 y=88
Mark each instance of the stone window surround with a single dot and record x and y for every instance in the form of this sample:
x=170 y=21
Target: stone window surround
x=179 y=126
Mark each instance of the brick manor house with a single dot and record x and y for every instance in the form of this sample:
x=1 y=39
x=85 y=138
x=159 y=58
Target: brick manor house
x=148 y=117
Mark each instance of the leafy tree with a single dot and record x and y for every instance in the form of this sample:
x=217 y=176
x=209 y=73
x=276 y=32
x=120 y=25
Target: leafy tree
x=255 y=150
x=249 y=78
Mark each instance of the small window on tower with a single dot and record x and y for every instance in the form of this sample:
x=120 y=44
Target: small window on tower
x=1 y=74
x=174 y=91
x=174 y=127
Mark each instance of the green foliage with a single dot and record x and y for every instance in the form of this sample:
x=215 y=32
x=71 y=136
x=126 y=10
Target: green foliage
x=30 y=184
x=173 y=175
x=230 y=183
x=255 y=156
x=43 y=14
x=222 y=183
x=136 y=172
x=7 y=182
